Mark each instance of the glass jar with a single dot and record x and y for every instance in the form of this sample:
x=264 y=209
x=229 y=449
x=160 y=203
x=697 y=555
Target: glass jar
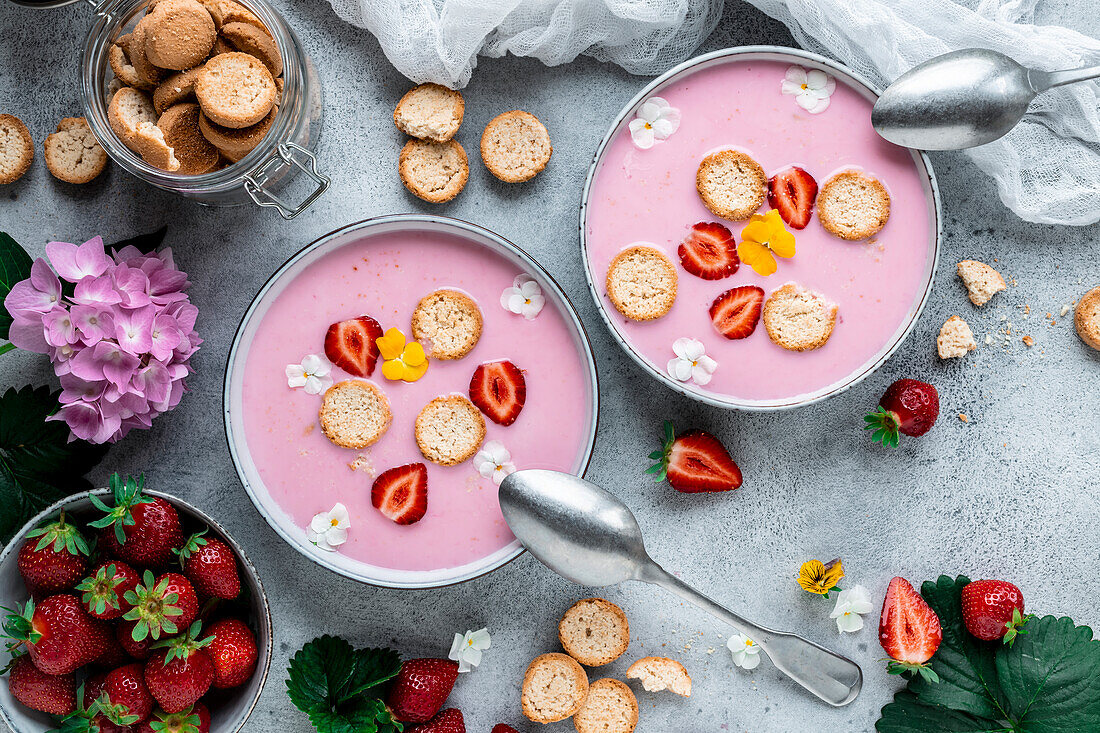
x=284 y=154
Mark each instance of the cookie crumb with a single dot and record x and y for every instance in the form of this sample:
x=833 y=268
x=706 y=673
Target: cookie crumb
x=963 y=417
x=1028 y=341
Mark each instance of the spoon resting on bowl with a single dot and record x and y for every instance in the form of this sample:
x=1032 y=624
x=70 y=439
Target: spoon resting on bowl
x=963 y=99
x=586 y=535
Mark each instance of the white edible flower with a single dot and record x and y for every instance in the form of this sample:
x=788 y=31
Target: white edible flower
x=312 y=374
x=746 y=654
x=467 y=648
x=328 y=530
x=851 y=604
x=494 y=461
x=691 y=362
x=811 y=89
x=524 y=298
x=656 y=120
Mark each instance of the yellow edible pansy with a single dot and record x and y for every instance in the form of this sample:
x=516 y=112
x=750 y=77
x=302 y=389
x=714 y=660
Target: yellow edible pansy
x=762 y=239
x=817 y=577
x=405 y=362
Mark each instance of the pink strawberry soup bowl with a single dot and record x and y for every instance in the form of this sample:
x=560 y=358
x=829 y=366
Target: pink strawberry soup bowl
x=321 y=497
x=229 y=709
x=782 y=107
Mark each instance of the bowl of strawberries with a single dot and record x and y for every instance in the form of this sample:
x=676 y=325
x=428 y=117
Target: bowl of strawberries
x=126 y=610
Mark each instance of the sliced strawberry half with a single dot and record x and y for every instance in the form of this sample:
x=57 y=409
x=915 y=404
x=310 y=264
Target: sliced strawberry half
x=908 y=629
x=694 y=462
x=736 y=312
x=499 y=390
x=351 y=345
x=401 y=493
x=792 y=193
x=709 y=252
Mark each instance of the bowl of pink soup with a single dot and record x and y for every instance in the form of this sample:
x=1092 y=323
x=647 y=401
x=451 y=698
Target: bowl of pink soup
x=382 y=267
x=733 y=99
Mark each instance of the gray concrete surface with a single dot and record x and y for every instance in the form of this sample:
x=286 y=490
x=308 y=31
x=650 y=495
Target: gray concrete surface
x=1012 y=493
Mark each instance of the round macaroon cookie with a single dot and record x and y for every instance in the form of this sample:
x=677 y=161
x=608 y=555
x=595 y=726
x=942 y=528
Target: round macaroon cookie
x=449 y=322
x=798 y=319
x=660 y=673
x=120 y=65
x=179 y=35
x=449 y=430
x=430 y=112
x=128 y=111
x=235 y=144
x=594 y=631
x=73 y=154
x=16 y=149
x=355 y=413
x=249 y=39
x=1086 y=318
x=609 y=708
x=434 y=172
x=146 y=70
x=515 y=146
x=731 y=184
x=642 y=282
x=177 y=88
x=235 y=90
x=853 y=205
x=180 y=125
x=554 y=688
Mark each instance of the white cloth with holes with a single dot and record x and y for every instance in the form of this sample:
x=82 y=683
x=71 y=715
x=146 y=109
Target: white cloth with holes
x=1047 y=169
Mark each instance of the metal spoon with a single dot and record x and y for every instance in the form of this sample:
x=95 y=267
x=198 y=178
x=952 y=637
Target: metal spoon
x=963 y=99
x=586 y=535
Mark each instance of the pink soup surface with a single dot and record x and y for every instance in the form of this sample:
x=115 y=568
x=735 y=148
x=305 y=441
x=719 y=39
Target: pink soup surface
x=384 y=276
x=650 y=196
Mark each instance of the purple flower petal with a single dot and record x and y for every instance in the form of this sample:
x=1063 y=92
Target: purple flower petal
x=105 y=360
x=59 y=328
x=153 y=381
x=134 y=329
x=133 y=285
x=96 y=291
x=75 y=389
x=38 y=294
x=74 y=263
x=94 y=324
x=28 y=334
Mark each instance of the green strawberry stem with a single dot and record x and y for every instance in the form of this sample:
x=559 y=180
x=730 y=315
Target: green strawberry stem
x=180 y=647
x=1015 y=627
x=885 y=425
x=62 y=536
x=126 y=495
x=152 y=606
x=660 y=468
x=902 y=668
x=99 y=590
x=191 y=546
x=18 y=624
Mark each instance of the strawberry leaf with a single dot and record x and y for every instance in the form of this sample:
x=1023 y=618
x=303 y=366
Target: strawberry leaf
x=38 y=464
x=336 y=685
x=15 y=265
x=1048 y=680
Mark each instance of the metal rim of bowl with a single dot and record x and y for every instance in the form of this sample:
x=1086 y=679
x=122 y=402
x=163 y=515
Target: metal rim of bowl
x=250 y=569
x=459 y=227
x=770 y=53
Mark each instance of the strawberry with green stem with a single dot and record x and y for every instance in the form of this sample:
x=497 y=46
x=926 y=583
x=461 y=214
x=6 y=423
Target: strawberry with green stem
x=180 y=670
x=993 y=609
x=908 y=406
x=694 y=462
x=105 y=589
x=211 y=566
x=195 y=719
x=53 y=558
x=160 y=605
x=140 y=529
x=58 y=633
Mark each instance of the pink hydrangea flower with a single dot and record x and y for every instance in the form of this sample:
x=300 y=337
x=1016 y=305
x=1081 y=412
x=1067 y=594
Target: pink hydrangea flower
x=121 y=343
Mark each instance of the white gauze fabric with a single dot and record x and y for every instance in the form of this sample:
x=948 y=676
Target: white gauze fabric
x=1047 y=169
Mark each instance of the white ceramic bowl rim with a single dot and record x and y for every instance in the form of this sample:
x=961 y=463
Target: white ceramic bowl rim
x=264 y=621
x=771 y=53
x=357 y=570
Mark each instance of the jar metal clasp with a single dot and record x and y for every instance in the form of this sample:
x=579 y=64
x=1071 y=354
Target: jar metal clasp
x=285 y=156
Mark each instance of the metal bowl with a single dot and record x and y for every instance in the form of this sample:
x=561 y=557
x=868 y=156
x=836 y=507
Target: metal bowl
x=758 y=53
x=234 y=376
x=230 y=708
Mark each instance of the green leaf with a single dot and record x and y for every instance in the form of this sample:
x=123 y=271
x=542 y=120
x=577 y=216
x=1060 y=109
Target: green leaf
x=145 y=243
x=1048 y=681
x=15 y=265
x=38 y=464
x=333 y=684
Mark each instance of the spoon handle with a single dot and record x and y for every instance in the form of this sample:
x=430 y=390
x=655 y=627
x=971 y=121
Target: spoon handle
x=833 y=678
x=1042 y=80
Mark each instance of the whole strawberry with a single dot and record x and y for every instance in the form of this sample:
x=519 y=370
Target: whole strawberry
x=233 y=649
x=421 y=688
x=211 y=566
x=993 y=609
x=448 y=721
x=114 y=654
x=180 y=671
x=105 y=589
x=695 y=462
x=125 y=699
x=195 y=719
x=161 y=606
x=908 y=630
x=59 y=635
x=908 y=406
x=54 y=694
x=139 y=529
x=124 y=635
x=53 y=558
